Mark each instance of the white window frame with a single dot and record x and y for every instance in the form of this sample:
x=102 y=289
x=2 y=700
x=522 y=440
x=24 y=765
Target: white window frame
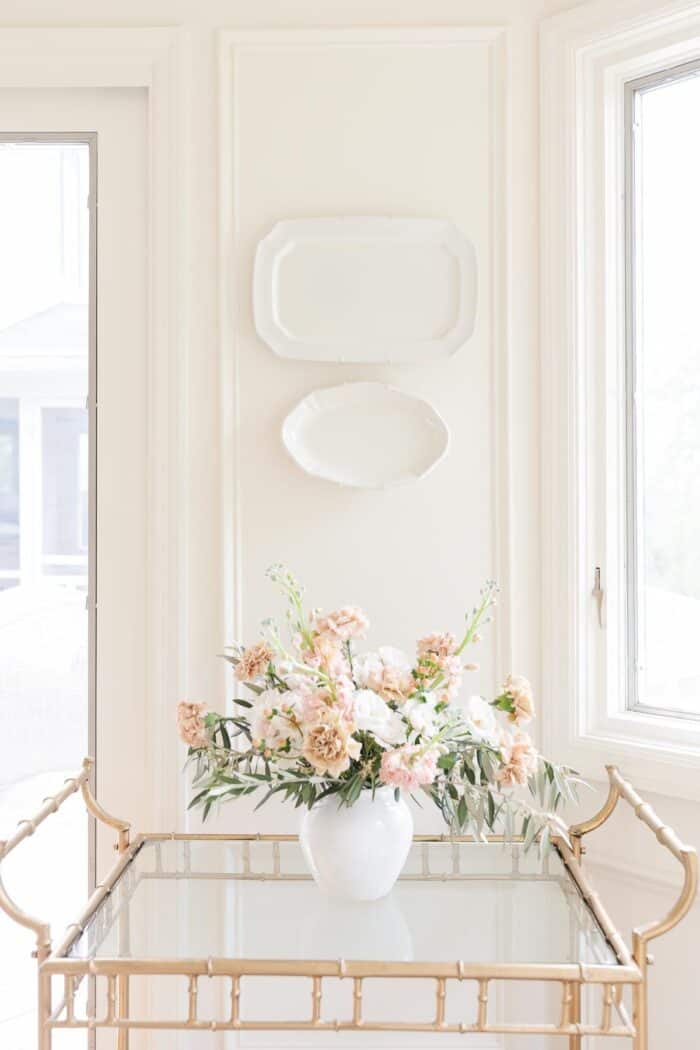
x=589 y=55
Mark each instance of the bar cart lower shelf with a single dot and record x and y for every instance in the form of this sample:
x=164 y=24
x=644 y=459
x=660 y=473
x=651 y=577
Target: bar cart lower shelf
x=454 y=921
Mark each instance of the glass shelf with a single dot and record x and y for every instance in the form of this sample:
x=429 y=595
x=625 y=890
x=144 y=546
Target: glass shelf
x=477 y=902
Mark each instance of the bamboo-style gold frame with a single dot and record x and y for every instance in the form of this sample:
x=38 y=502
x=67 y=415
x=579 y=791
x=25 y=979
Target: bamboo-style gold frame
x=629 y=973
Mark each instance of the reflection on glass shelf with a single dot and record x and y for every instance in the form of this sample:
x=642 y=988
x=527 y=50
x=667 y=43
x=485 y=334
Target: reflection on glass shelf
x=469 y=901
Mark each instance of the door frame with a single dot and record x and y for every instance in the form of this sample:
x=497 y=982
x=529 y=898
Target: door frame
x=151 y=59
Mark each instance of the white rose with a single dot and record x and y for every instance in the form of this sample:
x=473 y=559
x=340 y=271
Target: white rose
x=420 y=713
x=397 y=658
x=366 y=667
x=373 y=715
x=478 y=716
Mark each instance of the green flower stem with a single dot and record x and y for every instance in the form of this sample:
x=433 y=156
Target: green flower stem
x=486 y=601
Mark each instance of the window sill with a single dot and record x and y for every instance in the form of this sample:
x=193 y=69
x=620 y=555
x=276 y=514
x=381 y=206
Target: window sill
x=654 y=763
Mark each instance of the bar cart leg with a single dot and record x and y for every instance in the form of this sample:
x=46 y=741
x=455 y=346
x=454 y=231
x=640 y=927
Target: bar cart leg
x=44 y=1012
x=123 y=1012
x=640 y=1014
x=575 y=1040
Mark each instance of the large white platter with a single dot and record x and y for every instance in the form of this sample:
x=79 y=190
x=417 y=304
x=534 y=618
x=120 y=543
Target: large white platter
x=367 y=435
x=365 y=290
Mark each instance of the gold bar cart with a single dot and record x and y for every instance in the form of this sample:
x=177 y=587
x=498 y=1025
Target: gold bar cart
x=583 y=954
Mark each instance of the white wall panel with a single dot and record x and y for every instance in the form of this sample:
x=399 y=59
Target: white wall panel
x=391 y=123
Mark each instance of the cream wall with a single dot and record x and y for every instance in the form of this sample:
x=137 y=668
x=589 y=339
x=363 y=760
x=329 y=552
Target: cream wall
x=394 y=569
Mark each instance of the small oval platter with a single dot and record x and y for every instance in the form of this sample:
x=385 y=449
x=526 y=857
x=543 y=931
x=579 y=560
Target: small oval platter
x=365 y=435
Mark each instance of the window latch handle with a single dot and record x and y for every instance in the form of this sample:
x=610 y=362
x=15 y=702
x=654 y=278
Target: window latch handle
x=599 y=595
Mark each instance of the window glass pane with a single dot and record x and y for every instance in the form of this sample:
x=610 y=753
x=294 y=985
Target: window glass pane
x=44 y=268
x=64 y=484
x=9 y=487
x=667 y=365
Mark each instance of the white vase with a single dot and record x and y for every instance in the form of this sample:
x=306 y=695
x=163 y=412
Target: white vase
x=357 y=852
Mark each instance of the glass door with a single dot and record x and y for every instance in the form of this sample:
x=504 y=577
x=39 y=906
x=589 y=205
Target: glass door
x=47 y=354
x=75 y=645
x=47 y=550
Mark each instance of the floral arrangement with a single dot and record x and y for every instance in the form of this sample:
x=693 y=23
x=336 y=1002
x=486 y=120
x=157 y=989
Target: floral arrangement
x=322 y=719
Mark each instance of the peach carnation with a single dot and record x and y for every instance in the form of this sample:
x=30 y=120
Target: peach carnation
x=517 y=688
x=190 y=723
x=329 y=745
x=253 y=662
x=392 y=683
x=438 y=653
x=519 y=759
x=327 y=655
x=344 y=624
x=437 y=646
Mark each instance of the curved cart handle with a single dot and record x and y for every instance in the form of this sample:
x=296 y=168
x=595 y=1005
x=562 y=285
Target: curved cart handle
x=641 y=935
x=686 y=855
x=25 y=828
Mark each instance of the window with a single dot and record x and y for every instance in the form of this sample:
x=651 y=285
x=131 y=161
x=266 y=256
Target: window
x=621 y=393
x=663 y=392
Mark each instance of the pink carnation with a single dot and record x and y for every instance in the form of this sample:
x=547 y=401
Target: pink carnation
x=408 y=766
x=318 y=701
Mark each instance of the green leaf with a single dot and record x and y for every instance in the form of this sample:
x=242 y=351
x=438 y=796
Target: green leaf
x=198 y=798
x=530 y=835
